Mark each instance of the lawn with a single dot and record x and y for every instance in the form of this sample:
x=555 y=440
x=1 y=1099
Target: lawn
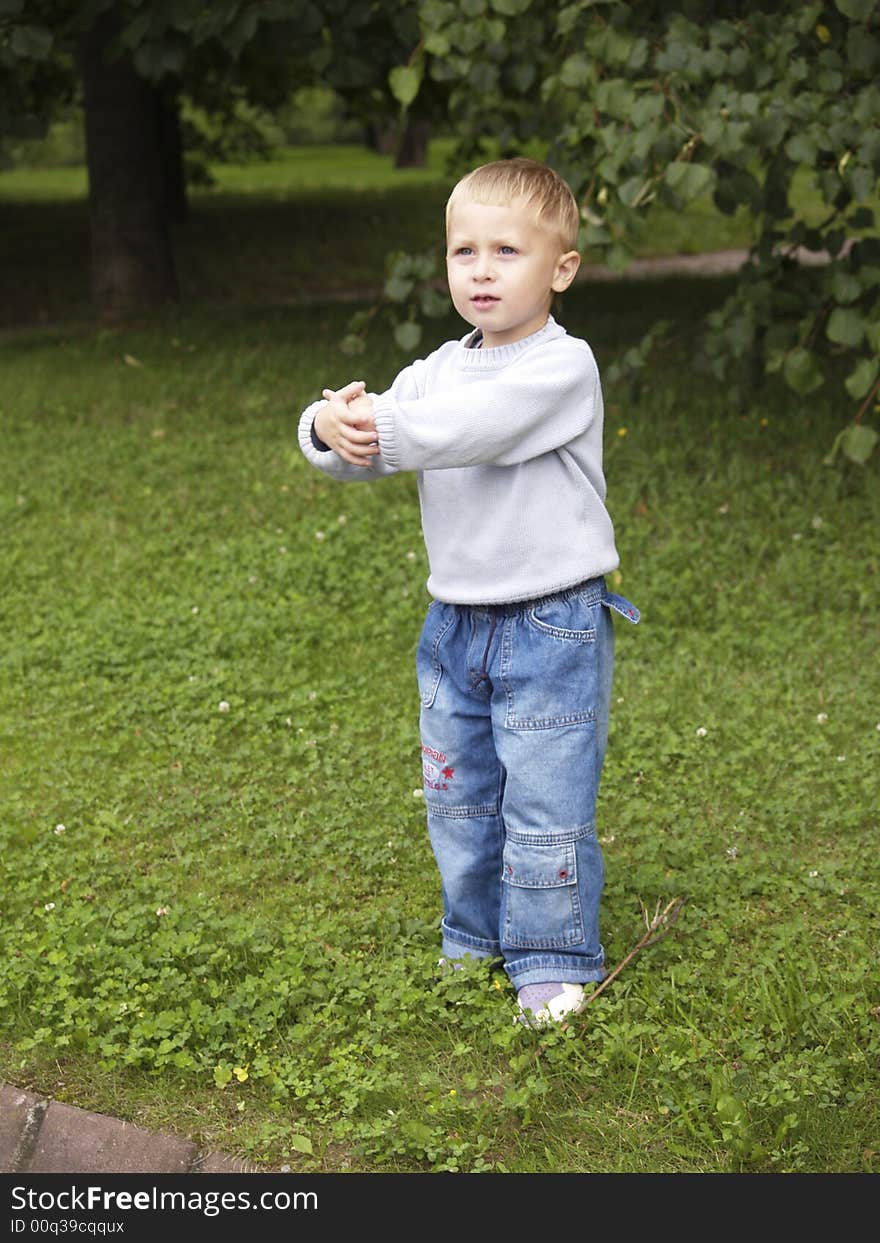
x=219 y=907
x=310 y=224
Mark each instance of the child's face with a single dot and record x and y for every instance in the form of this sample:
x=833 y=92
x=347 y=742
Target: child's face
x=503 y=268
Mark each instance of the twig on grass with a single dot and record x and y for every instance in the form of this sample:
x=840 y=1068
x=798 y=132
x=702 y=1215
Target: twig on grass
x=657 y=928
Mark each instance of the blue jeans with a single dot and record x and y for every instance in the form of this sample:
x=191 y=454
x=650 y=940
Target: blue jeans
x=514 y=723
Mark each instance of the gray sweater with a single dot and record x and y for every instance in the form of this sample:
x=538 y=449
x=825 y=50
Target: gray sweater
x=507 y=443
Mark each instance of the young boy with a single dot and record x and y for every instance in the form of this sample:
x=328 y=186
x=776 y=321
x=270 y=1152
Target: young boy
x=504 y=428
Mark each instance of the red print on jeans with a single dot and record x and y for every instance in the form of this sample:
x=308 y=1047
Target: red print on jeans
x=433 y=774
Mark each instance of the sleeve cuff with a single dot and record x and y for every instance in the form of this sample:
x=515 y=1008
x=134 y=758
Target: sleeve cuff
x=383 y=417
x=317 y=442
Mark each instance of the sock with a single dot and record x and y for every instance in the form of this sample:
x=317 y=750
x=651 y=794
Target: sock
x=535 y=996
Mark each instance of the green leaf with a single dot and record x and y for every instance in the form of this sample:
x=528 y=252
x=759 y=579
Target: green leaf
x=860 y=379
x=405 y=81
x=522 y=76
x=615 y=97
x=845 y=286
x=801 y=149
x=301 y=1143
x=631 y=189
x=484 y=77
x=398 y=288
x=510 y=8
x=690 y=180
x=433 y=303
x=576 y=71
x=858 y=442
x=647 y=108
x=437 y=44
x=31 y=42
x=408 y=335
x=857 y=10
x=862 y=182
x=845 y=327
x=352 y=344
x=802 y=372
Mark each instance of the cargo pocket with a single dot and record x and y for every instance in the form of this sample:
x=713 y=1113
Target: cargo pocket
x=541 y=906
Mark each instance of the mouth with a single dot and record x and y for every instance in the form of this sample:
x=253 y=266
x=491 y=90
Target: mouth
x=483 y=300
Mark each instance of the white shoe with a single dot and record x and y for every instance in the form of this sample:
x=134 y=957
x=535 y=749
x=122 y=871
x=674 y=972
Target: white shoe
x=569 y=1001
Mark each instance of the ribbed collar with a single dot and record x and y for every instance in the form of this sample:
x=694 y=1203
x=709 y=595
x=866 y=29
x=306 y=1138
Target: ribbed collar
x=482 y=359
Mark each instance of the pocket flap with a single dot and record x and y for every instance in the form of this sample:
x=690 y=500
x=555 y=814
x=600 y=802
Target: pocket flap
x=539 y=867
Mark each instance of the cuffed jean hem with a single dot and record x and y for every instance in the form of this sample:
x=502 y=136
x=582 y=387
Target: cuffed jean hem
x=550 y=969
x=457 y=944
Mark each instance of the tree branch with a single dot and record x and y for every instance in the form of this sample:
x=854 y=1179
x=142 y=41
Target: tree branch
x=657 y=928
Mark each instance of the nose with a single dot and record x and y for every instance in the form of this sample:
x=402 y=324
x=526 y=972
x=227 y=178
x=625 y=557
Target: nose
x=482 y=269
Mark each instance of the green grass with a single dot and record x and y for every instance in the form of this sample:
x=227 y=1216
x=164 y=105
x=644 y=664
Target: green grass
x=312 y=223
x=234 y=936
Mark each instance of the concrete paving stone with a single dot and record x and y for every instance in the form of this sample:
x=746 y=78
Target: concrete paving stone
x=74 y=1141
x=20 y=1112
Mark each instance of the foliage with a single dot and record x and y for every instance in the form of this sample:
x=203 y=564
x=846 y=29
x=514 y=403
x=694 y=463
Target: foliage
x=648 y=104
x=206 y=680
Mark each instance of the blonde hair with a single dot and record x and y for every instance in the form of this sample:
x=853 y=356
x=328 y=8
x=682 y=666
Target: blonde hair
x=502 y=181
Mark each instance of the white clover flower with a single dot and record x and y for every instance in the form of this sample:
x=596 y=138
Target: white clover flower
x=796 y=535
x=342 y=519
x=288 y=720
x=841 y=759
x=723 y=509
x=59 y=829
x=812 y=875
x=607 y=839
x=620 y=699
x=162 y=910
x=320 y=535
x=822 y=717
x=252 y=578
x=410 y=556
x=194 y=609
x=701 y=732
x=313 y=695
x=283 y=549
x=817 y=522
x=418 y=793
x=50 y=906
x=223 y=706
x=731 y=852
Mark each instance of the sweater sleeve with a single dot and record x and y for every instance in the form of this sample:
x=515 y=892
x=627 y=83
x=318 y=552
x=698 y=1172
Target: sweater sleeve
x=407 y=386
x=540 y=402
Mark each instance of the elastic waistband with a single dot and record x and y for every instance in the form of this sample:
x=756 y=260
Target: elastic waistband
x=593 y=591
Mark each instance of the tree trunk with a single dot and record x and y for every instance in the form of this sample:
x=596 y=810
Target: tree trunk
x=171 y=149
x=412 y=150
x=132 y=260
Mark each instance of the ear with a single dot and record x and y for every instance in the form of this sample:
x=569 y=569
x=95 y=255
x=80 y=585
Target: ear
x=566 y=270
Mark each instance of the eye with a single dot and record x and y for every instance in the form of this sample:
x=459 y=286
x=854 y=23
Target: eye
x=508 y=250
x=462 y=250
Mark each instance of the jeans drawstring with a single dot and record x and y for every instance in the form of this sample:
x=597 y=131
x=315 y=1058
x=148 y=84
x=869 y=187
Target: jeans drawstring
x=483 y=675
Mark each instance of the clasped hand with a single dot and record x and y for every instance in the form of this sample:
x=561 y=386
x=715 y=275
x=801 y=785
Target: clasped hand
x=346 y=424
